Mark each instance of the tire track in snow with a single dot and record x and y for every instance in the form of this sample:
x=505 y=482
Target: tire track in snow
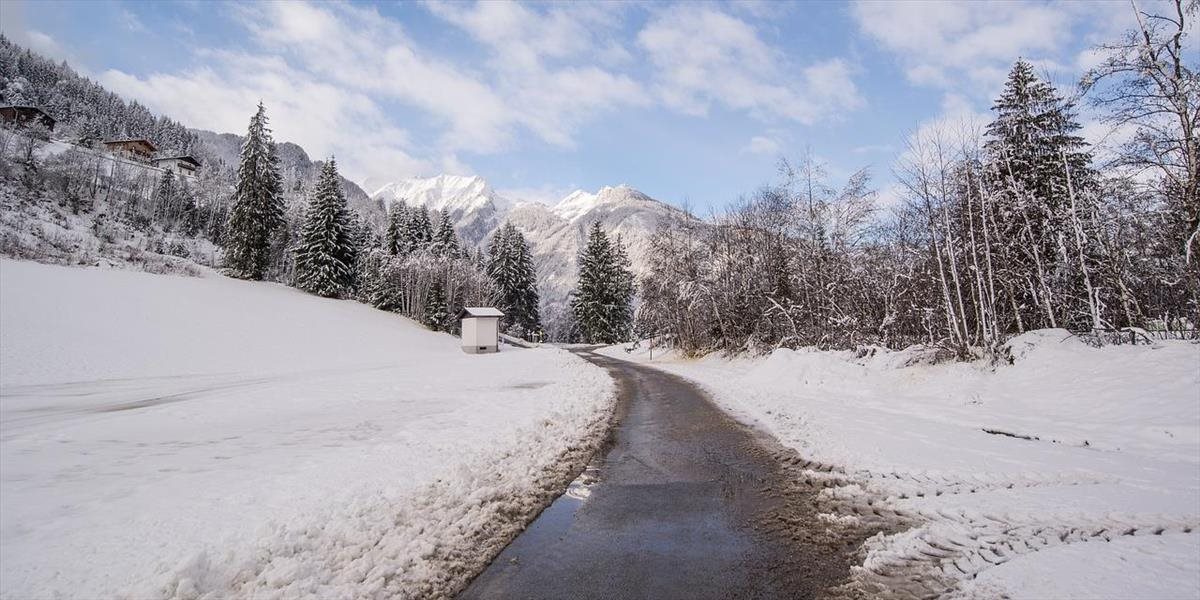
x=924 y=553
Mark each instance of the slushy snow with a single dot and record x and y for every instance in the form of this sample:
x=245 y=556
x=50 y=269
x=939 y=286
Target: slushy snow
x=1099 y=498
x=166 y=436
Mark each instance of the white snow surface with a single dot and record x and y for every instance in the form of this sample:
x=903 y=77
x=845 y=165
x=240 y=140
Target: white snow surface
x=1104 y=504
x=165 y=436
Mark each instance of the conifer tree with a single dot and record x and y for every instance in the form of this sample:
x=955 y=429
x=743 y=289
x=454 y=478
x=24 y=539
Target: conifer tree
x=164 y=194
x=435 y=307
x=418 y=234
x=257 y=211
x=601 y=300
x=1041 y=171
x=397 y=223
x=445 y=240
x=510 y=265
x=624 y=288
x=325 y=257
x=1033 y=129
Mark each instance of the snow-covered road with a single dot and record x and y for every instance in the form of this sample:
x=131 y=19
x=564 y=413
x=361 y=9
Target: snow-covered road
x=180 y=437
x=1102 y=500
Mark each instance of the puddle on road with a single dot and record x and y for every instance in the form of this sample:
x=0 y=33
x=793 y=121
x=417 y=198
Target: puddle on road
x=557 y=518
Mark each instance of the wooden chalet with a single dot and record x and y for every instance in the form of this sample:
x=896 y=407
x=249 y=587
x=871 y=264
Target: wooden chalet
x=138 y=149
x=21 y=116
x=180 y=165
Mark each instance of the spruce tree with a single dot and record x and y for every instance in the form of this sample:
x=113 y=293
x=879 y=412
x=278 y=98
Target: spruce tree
x=418 y=233
x=164 y=195
x=257 y=210
x=601 y=300
x=395 y=239
x=445 y=240
x=624 y=287
x=435 y=307
x=1040 y=171
x=1034 y=128
x=325 y=256
x=510 y=265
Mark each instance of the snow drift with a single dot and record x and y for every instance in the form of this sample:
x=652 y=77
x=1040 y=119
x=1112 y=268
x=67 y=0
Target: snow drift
x=166 y=436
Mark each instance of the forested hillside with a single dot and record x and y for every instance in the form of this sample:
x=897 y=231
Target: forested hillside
x=84 y=110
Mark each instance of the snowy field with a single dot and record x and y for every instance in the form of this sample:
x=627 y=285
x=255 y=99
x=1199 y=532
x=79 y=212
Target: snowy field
x=1105 y=503
x=165 y=436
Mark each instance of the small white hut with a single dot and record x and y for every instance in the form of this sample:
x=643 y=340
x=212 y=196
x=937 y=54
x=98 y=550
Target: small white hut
x=480 y=329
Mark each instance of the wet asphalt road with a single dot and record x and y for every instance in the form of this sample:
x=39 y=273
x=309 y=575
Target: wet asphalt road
x=683 y=503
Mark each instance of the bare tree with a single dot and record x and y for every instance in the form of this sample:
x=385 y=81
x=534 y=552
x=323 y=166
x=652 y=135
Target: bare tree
x=1149 y=82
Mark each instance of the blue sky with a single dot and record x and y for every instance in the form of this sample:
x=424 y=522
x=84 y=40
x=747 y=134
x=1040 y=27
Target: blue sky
x=688 y=102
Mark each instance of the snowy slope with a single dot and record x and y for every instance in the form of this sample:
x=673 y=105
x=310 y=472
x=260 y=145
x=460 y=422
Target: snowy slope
x=1103 y=500
x=167 y=436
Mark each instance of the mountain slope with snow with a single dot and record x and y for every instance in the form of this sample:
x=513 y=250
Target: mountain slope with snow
x=188 y=437
x=472 y=204
x=555 y=233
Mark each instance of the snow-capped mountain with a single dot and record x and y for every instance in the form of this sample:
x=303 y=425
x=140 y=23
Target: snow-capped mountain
x=555 y=232
x=472 y=204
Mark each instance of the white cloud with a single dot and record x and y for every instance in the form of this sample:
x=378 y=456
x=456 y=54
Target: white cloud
x=13 y=26
x=542 y=60
x=323 y=118
x=889 y=196
x=874 y=148
x=761 y=145
x=942 y=43
x=131 y=21
x=334 y=75
x=703 y=56
x=545 y=194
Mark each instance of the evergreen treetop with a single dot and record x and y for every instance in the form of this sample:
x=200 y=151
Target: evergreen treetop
x=602 y=299
x=326 y=254
x=257 y=211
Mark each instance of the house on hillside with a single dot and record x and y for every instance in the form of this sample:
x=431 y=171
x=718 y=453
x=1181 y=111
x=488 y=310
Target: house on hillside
x=141 y=150
x=20 y=116
x=185 y=166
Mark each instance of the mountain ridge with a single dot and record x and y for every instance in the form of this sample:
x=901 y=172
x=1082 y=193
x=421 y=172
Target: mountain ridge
x=555 y=232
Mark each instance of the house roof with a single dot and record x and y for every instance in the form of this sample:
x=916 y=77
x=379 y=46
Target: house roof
x=480 y=311
x=131 y=141
x=183 y=158
x=25 y=107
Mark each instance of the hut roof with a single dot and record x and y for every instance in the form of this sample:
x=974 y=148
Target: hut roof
x=480 y=311
x=131 y=141
x=184 y=158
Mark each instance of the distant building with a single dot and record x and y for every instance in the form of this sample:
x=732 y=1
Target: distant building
x=20 y=116
x=139 y=149
x=180 y=165
x=480 y=329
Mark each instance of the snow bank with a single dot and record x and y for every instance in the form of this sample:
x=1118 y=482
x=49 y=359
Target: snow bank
x=1006 y=473
x=166 y=436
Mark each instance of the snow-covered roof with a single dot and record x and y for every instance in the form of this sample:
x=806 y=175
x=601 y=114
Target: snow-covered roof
x=131 y=141
x=183 y=158
x=480 y=311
